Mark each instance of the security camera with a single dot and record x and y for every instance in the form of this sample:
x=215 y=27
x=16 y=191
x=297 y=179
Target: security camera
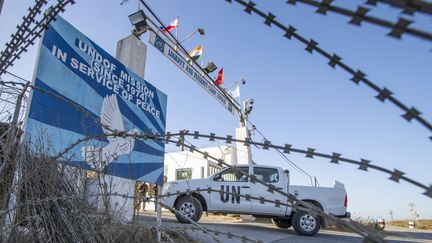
x=248 y=106
x=250 y=101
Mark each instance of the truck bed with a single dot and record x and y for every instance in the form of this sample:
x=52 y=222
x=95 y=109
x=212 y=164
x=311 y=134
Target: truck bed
x=330 y=198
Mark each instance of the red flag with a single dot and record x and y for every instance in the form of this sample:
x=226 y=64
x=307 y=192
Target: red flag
x=220 y=77
x=174 y=24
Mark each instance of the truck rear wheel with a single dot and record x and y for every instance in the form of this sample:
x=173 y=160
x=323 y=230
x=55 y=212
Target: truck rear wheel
x=188 y=207
x=282 y=223
x=305 y=223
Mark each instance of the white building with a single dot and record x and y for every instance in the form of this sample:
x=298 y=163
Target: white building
x=189 y=165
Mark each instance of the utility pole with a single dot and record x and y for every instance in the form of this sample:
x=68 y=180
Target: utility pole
x=412 y=205
x=391 y=212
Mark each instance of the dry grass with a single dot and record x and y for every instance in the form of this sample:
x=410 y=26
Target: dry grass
x=139 y=233
x=50 y=204
x=425 y=224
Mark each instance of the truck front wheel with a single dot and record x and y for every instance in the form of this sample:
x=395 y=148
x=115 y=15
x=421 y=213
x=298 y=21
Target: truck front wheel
x=188 y=208
x=305 y=223
x=282 y=223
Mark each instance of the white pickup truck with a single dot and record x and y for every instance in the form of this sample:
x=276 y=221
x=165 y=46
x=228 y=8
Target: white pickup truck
x=332 y=200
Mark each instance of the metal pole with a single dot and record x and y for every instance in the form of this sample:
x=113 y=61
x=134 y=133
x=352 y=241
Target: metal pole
x=202 y=59
x=412 y=205
x=391 y=215
x=187 y=37
x=176 y=41
x=158 y=215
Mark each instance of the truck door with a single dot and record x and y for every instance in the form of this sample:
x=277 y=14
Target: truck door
x=271 y=176
x=230 y=181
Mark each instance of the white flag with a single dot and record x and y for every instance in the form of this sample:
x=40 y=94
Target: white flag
x=235 y=93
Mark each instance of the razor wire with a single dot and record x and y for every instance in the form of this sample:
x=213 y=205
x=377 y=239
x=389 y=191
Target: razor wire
x=9 y=95
x=247 y=197
x=206 y=230
x=25 y=36
x=228 y=234
x=361 y=15
x=18 y=38
x=408 y=6
x=198 y=226
x=178 y=44
x=276 y=203
x=166 y=137
x=282 y=155
x=126 y=196
x=296 y=203
x=179 y=193
x=69 y=102
x=334 y=60
x=335 y=157
x=395 y=175
x=272 y=189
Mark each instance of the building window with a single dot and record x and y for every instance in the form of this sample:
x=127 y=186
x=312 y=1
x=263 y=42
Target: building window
x=202 y=171
x=182 y=174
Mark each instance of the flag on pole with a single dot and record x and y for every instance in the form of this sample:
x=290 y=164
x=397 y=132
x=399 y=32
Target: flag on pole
x=235 y=93
x=174 y=24
x=196 y=53
x=220 y=77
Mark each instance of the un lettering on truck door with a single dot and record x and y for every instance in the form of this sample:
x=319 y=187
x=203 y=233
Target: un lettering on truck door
x=225 y=194
x=230 y=183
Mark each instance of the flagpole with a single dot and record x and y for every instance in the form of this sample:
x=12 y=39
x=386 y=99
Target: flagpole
x=239 y=95
x=178 y=25
x=202 y=58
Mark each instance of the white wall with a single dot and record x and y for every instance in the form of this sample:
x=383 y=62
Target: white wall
x=120 y=206
x=195 y=161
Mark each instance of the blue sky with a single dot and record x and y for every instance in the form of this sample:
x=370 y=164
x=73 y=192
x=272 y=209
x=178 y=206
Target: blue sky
x=299 y=99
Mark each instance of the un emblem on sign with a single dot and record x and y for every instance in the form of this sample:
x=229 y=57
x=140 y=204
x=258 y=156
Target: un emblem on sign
x=159 y=44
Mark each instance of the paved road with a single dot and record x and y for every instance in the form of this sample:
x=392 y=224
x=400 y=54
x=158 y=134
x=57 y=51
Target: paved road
x=269 y=233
